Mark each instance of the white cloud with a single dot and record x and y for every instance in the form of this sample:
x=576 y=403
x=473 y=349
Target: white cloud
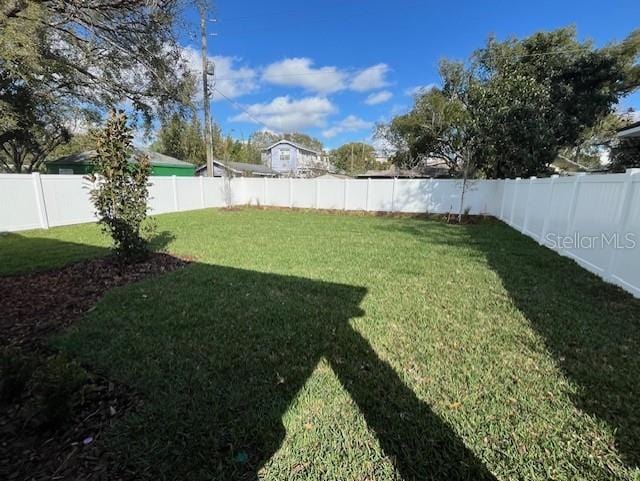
x=418 y=89
x=285 y=115
x=378 y=97
x=350 y=123
x=299 y=72
x=232 y=79
x=370 y=78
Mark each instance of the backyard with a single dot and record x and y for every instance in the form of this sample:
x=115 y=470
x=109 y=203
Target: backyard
x=309 y=345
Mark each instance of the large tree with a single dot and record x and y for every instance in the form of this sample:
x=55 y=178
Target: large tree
x=539 y=95
x=354 y=157
x=99 y=53
x=438 y=127
x=511 y=110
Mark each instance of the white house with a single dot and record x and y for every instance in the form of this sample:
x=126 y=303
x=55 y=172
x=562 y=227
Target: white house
x=293 y=160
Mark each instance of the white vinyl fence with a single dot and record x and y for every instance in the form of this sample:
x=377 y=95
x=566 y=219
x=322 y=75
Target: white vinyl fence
x=594 y=219
x=35 y=200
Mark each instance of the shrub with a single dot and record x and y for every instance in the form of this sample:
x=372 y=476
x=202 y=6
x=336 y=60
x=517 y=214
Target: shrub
x=121 y=191
x=16 y=370
x=58 y=383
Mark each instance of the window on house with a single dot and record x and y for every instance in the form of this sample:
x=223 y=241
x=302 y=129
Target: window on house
x=285 y=154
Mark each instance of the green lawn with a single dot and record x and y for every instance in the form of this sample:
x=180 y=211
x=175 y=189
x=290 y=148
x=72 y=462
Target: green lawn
x=327 y=347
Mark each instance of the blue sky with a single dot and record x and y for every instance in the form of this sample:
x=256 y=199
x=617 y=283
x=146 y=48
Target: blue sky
x=334 y=68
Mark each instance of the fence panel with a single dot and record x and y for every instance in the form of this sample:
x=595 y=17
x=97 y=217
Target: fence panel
x=304 y=193
x=624 y=267
x=161 y=195
x=357 y=192
x=19 y=208
x=188 y=192
x=278 y=194
x=66 y=198
x=538 y=206
x=597 y=201
x=214 y=191
x=380 y=195
x=331 y=193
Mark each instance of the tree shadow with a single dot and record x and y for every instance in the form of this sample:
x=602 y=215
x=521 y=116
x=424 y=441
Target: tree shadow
x=592 y=328
x=221 y=354
x=20 y=254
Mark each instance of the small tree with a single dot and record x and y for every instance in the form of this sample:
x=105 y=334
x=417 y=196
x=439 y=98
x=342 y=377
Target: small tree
x=121 y=193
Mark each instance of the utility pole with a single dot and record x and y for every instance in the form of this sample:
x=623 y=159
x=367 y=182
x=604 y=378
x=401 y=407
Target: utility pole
x=352 y=157
x=205 y=89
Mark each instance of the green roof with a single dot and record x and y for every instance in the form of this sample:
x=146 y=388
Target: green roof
x=156 y=159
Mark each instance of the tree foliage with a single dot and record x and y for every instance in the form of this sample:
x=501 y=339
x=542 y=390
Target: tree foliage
x=517 y=104
x=538 y=95
x=263 y=139
x=625 y=154
x=121 y=192
x=99 y=52
x=31 y=126
x=183 y=138
x=60 y=58
x=438 y=127
x=354 y=157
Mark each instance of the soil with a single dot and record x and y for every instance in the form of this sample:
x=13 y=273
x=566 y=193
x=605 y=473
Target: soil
x=32 y=307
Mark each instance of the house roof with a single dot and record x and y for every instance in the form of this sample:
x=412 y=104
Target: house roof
x=87 y=157
x=632 y=130
x=424 y=172
x=297 y=146
x=334 y=176
x=240 y=167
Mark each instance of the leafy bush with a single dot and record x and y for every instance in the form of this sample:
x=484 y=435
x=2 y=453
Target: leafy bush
x=58 y=383
x=121 y=191
x=16 y=370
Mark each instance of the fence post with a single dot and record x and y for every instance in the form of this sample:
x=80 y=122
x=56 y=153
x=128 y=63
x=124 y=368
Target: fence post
x=526 y=205
x=264 y=190
x=513 y=202
x=621 y=219
x=367 y=204
x=504 y=188
x=317 y=202
x=345 y=194
x=290 y=192
x=429 y=196
x=573 y=204
x=393 y=195
x=40 y=202
x=202 y=203
x=547 y=212
x=174 y=184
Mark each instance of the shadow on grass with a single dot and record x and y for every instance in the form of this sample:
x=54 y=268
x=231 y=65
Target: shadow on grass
x=592 y=328
x=221 y=353
x=21 y=254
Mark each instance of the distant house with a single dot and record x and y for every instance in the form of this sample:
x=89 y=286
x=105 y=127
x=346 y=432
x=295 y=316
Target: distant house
x=237 y=169
x=293 y=160
x=82 y=163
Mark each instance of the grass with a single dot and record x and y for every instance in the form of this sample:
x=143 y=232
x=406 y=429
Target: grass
x=317 y=346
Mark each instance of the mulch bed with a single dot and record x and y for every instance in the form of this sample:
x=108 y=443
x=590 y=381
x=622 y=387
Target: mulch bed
x=32 y=307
